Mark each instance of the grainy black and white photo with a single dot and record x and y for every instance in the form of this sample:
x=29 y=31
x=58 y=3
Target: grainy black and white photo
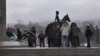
x=49 y=27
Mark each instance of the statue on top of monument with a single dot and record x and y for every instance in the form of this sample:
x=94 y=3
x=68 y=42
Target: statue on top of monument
x=57 y=17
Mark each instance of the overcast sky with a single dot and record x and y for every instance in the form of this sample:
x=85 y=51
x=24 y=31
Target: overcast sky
x=44 y=10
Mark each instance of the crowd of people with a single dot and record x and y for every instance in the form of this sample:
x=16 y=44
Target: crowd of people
x=60 y=33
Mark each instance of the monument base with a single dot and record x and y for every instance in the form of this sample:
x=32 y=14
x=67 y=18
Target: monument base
x=26 y=51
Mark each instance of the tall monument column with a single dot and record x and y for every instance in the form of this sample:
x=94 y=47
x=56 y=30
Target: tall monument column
x=3 y=20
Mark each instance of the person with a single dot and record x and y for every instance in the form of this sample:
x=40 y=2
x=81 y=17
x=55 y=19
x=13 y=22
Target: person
x=19 y=34
x=74 y=35
x=33 y=32
x=14 y=37
x=41 y=39
x=57 y=17
x=88 y=34
x=48 y=34
x=65 y=33
x=9 y=33
x=97 y=32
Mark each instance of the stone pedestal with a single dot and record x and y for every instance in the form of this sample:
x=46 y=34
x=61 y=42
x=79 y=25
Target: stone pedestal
x=26 y=51
x=3 y=20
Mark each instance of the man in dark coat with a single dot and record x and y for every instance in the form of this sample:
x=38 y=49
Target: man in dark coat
x=33 y=32
x=51 y=34
x=41 y=39
x=88 y=34
x=74 y=35
x=19 y=34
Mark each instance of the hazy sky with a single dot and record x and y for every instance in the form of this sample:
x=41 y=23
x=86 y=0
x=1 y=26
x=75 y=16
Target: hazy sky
x=44 y=10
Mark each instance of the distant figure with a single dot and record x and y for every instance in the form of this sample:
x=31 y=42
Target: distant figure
x=9 y=32
x=19 y=34
x=41 y=39
x=33 y=32
x=74 y=35
x=65 y=34
x=88 y=34
x=13 y=37
x=97 y=34
x=57 y=17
